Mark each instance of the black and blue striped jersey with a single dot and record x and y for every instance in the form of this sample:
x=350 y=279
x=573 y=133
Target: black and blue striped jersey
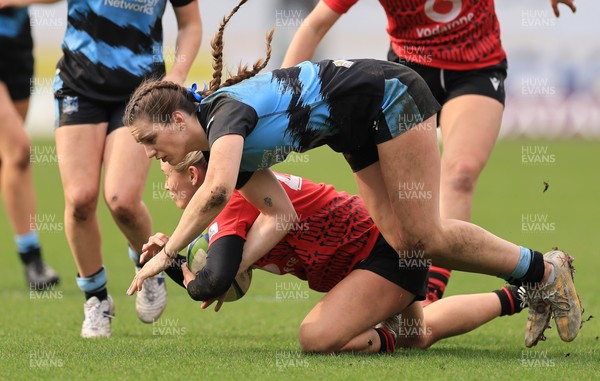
x=111 y=46
x=346 y=104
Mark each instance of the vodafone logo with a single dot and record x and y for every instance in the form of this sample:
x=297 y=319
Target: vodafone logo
x=443 y=11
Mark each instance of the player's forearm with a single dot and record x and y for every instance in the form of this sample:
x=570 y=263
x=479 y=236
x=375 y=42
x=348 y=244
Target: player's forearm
x=206 y=204
x=265 y=233
x=310 y=34
x=277 y=213
x=189 y=37
x=187 y=46
x=302 y=47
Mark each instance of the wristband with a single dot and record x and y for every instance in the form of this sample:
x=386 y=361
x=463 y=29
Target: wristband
x=174 y=253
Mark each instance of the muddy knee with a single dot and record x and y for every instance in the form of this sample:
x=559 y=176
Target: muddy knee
x=82 y=206
x=122 y=209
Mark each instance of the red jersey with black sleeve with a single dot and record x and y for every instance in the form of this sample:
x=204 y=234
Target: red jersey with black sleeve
x=446 y=34
x=331 y=234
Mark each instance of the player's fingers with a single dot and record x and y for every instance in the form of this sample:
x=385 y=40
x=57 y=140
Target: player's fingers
x=133 y=287
x=207 y=303
x=146 y=246
x=145 y=256
x=571 y=4
x=219 y=305
x=136 y=284
x=158 y=237
x=568 y=3
x=188 y=276
x=157 y=241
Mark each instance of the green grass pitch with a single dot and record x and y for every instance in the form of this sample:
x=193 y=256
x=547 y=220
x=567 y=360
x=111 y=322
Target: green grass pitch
x=255 y=337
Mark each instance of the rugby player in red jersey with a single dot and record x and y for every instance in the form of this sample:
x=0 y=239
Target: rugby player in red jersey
x=455 y=46
x=334 y=246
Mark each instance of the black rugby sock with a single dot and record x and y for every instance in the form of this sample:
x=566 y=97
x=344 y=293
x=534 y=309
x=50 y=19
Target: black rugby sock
x=510 y=300
x=386 y=338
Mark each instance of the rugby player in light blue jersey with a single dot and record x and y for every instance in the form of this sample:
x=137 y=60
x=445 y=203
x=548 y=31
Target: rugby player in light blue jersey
x=16 y=182
x=382 y=117
x=109 y=48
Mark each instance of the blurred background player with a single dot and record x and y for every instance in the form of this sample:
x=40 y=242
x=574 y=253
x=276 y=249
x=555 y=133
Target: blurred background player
x=337 y=249
x=109 y=48
x=455 y=46
x=16 y=182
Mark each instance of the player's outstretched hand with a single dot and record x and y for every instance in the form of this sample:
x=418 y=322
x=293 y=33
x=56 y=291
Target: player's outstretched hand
x=154 y=245
x=154 y=266
x=568 y=3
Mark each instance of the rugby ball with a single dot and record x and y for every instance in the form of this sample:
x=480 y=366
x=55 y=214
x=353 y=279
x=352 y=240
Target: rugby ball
x=196 y=260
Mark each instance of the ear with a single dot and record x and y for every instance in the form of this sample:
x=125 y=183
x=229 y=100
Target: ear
x=177 y=117
x=194 y=175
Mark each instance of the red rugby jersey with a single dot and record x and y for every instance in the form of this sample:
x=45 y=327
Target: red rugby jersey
x=447 y=34
x=333 y=232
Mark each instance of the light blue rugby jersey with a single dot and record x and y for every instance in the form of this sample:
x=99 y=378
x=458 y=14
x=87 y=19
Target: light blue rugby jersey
x=344 y=104
x=272 y=98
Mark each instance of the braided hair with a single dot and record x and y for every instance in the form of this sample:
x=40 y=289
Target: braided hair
x=159 y=99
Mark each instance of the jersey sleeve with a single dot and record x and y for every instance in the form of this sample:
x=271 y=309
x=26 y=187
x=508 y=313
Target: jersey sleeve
x=180 y=3
x=229 y=116
x=222 y=263
x=340 y=6
x=236 y=219
x=243 y=177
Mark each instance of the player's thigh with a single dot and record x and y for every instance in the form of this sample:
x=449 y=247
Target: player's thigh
x=22 y=106
x=470 y=125
x=364 y=162
x=13 y=138
x=125 y=167
x=375 y=196
x=79 y=150
x=410 y=168
x=356 y=304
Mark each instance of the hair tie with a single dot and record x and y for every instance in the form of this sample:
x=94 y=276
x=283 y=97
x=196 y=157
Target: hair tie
x=197 y=95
